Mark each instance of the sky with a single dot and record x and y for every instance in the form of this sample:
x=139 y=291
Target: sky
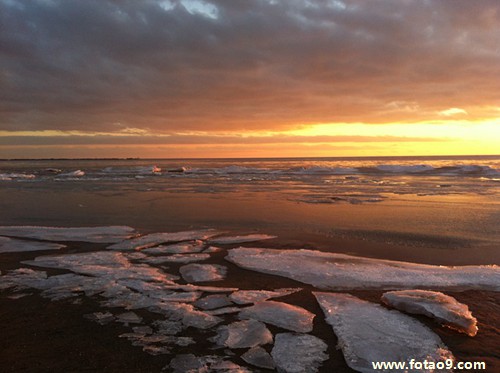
x=248 y=78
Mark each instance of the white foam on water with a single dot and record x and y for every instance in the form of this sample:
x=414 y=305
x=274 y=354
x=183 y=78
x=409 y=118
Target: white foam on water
x=203 y=272
x=155 y=239
x=107 y=234
x=254 y=296
x=342 y=272
x=298 y=353
x=16 y=176
x=280 y=314
x=439 y=306
x=368 y=332
x=9 y=245
x=240 y=239
x=243 y=334
x=258 y=357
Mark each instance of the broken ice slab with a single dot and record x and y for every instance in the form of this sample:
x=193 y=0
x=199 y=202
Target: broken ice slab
x=101 y=318
x=369 y=332
x=8 y=245
x=280 y=314
x=177 y=258
x=298 y=353
x=155 y=239
x=223 y=311
x=259 y=357
x=128 y=318
x=339 y=271
x=101 y=264
x=213 y=301
x=207 y=289
x=107 y=234
x=212 y=249
x=200 y=319
x=439 y=306
x=254 y=296
x=183 y=363
x=243 y=334
x=203 y=272
x=240 y=239
x=179 y=248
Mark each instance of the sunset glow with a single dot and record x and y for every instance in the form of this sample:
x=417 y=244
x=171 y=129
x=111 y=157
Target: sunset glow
x=266 y=79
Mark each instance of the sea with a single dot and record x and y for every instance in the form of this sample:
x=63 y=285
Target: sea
x=426 y=202
x=441 y=211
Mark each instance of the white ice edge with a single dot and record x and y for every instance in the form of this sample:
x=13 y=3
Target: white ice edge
x=368 y=332
x=328 y=271
x=104 y=234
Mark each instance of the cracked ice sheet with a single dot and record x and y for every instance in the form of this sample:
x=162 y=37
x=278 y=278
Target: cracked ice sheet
x=240 y=239
x=113 y=265
x=368 y=332
x=180 y=248
x=243 y=334
x=203 y=272
x=436 y=305
x=254 y=296
x=154 y=239
x=339 y=271
x=8 y=245
x=298 y=353
x=107 y=234
x=280 y=314
x=176 y=258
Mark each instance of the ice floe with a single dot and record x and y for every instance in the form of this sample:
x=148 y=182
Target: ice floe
x=177 y=258
x=254 y=296
x=180 y=248
x=439 y=306
x=213 y=301
x=13 y=245
x=339 y=271
x=259 y=357
x=240 y=239
x=298 y=353
x=107 y=234
x=155 y=239
x=189 y=363
x=203 y=272
x=280 y=314
x=368 y=332
x=243 y=334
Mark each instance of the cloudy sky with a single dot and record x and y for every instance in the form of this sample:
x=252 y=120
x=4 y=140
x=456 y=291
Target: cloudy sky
x=236 y=78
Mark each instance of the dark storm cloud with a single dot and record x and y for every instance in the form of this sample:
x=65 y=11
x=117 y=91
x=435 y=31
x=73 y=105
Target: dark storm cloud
x=101 y=65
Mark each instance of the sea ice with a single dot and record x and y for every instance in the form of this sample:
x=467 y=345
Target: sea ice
x=243 y=334
x=368 y=332
x=254 y=296
x=101 y=318
x=339 y=271
x=179 y=248
x=439 y=306
x=298 y=353
x=280 y=314
x=240 y=239
x=129 y=318
x=14 y=245
x=223 y=311
x=213 y=301
x=259 y=357
x=203 y=272
x=189 y=363
x=177 y=258
x=155 y=239
x=108 y=234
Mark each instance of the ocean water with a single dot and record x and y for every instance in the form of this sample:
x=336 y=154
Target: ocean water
x=429 y=203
